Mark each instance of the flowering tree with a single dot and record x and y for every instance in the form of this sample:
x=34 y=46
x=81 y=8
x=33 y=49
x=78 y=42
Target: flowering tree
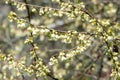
x=60 y=40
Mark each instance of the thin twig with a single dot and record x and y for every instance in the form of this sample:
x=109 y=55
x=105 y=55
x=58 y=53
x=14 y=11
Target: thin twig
x=29 y=18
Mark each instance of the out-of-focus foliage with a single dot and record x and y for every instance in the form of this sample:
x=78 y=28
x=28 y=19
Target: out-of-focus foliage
x=59 y=40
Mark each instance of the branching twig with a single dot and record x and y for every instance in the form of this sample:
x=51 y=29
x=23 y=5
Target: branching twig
x=36 y=57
